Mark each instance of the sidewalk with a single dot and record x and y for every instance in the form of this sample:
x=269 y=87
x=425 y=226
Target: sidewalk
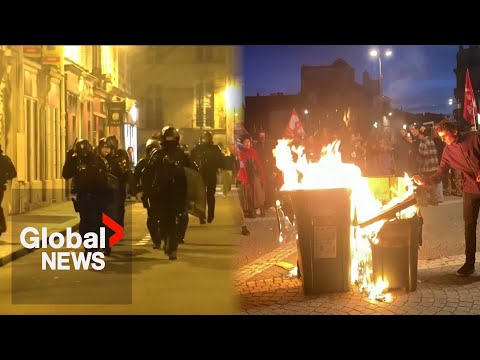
x=56 y=217
x=264 y=287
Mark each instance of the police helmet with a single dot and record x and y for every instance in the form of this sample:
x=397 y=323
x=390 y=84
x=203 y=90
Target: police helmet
x=207 y=137
x=157 y=136
x=150 y=145
x=112 y=142
x=170 y=134
x=102 y=143
x=83 y=148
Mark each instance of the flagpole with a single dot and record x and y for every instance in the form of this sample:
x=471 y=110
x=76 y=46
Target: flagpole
x=469 y=101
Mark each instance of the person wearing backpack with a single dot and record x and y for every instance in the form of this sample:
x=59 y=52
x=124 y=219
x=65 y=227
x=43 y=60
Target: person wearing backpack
x=7 y=172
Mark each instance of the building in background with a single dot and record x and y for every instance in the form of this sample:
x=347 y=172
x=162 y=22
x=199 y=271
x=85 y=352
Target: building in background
x=193 y=88
x=51 y=96
x=33 y=125
x=327 y=94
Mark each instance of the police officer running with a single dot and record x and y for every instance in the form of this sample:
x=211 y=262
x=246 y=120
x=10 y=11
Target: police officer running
x=117 y=162
x=164 y=181
x=209 y=158
x=89 y=184
x=143 y=179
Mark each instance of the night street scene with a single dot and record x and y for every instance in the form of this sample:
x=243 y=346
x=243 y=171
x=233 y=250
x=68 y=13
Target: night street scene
x=105 y=207
x=238 y=180
x=361 y=221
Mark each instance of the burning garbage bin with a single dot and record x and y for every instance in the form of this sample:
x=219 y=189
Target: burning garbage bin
x=323 y=223
x=395 y=257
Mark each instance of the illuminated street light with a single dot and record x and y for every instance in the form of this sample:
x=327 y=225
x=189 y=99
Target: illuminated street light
x=306 y=111
x=375 y=53
x=390 y=114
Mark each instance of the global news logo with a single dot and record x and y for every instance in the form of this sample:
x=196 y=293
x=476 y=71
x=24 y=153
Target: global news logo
x=31 y=238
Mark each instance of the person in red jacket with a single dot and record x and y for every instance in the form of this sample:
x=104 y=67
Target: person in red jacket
x=462 y=152
x=251 y=177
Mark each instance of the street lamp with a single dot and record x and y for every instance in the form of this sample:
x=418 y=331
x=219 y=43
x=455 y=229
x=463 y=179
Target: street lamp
x=376 y=53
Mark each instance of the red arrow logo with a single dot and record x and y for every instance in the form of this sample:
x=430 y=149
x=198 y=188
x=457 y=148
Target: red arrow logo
x=112 y=224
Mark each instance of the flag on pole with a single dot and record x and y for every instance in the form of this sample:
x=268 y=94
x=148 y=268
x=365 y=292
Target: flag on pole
x=294 y=127
x=346 y=116
x=239 y=131
x=470 y=109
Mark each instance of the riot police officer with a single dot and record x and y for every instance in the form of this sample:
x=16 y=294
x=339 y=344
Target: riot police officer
x=89 y=182
x=209 y=158
x=117 y=162
x=151 y=146
x=165 y=184
x=143 y=178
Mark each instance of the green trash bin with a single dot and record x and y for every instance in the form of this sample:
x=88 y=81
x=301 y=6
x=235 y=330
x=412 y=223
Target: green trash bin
x=395 y=256
x=323 y=223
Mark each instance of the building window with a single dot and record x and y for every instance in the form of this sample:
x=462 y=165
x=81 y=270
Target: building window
x=32 y=132
x=158 y=112
x=58 y=149
x=204 y=53
x=204 y=105
x=149 y=112
x=30 y=84
x=199 y=108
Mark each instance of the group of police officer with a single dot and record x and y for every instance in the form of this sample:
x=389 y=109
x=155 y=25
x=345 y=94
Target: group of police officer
x=164 y=177
x=99 y=182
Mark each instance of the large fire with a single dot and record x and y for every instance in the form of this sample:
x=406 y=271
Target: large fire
x=329 y=173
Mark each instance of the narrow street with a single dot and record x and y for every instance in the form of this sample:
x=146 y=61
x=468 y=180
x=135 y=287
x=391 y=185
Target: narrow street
x=137 y=279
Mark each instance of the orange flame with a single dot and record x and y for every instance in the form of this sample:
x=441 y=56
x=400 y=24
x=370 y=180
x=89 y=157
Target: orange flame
x=330 y=173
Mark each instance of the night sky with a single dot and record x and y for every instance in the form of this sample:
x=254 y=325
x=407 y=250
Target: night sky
x=417 y=78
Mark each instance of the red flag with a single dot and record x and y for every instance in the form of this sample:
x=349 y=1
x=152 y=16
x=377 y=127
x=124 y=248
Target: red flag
x=470 y=110
x=294 y=126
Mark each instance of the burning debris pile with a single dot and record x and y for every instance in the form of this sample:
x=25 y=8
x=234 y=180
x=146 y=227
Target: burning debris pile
x=367 y=212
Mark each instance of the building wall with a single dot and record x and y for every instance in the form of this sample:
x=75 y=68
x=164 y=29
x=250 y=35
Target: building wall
x=9 y=112
x=184 y=86
x=47 y=107
x=327 y=93
x=33 y=136
x=265 y=112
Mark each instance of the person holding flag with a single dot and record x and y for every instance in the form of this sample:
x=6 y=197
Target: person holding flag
x=294 y=127
x=251 y=177
x=470 y=109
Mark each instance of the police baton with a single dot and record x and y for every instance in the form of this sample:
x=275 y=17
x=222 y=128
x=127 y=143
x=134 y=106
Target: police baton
x=74 y=143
